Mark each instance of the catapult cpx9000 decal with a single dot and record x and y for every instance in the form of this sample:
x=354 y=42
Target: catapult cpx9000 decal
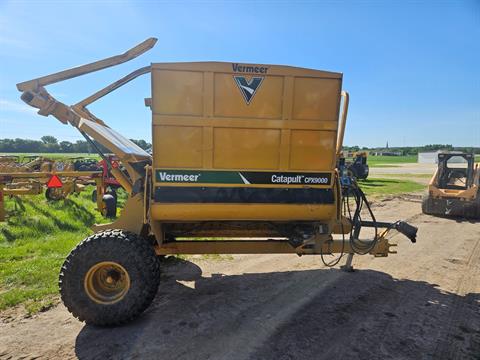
x=242 y=177
x=249 y=86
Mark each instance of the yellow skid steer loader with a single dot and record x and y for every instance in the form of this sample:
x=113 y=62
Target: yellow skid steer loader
x=454 y=188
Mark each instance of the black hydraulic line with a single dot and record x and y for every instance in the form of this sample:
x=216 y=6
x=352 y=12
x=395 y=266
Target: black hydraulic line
x=97 y=149
x=380 y=224
x=363 y=247
x=342 y=252
x=357 y=245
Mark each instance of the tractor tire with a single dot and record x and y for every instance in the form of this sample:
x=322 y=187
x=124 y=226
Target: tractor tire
x=110 y=210
x=110 y=278
x=426 y=205
x=112 y=192
x=109 y=192
x=54 y=194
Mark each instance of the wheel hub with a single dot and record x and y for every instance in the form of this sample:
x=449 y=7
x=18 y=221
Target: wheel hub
x=107 y=282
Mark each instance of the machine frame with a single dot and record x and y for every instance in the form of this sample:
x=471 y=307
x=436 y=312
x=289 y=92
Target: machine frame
x=135 y=216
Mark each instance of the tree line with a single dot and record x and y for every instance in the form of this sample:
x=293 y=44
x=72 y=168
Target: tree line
x=50 y=144
x=414 y=150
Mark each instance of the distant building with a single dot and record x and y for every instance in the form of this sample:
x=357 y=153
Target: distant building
x=431 y=157
x=385 y=153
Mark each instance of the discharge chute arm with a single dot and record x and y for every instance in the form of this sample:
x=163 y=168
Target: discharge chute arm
x=35 y=95
x=88 y=68
x=81 y=106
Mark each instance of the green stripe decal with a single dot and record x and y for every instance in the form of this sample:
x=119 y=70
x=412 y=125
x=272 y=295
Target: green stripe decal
x=241 y=177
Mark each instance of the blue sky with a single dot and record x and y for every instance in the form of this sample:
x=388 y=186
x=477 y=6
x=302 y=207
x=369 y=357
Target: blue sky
x=411 y=67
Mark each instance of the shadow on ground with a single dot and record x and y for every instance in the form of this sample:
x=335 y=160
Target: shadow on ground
x=312 y=314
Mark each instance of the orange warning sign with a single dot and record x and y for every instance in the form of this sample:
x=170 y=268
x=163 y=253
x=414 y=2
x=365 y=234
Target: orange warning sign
x=54 y=182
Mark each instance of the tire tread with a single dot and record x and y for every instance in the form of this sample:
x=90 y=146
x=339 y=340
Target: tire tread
x=127 y=245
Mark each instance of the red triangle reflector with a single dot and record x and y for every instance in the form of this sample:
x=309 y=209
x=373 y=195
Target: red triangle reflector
x=54 y=182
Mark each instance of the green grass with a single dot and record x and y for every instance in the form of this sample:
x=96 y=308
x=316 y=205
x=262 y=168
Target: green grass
x=393 y=176
x=382 y=187
x=34 y=243
x=380 y=161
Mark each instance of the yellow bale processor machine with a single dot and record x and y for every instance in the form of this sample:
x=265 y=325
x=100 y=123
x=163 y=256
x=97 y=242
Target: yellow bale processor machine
x=243 y=154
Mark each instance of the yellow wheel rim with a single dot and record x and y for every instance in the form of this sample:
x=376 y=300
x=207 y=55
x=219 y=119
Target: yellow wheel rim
x=107 y=282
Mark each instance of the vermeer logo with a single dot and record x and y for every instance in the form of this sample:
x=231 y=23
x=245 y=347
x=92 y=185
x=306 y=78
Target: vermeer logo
x=254 y=69
x=166 y=177
x=248 y=88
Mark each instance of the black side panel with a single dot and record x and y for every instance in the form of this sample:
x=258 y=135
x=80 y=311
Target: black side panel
x=170 y=194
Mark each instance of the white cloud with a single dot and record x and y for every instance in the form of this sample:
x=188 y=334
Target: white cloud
x=14 y=106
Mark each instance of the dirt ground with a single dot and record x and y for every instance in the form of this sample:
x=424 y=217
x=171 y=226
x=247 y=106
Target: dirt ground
x=423 y=303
